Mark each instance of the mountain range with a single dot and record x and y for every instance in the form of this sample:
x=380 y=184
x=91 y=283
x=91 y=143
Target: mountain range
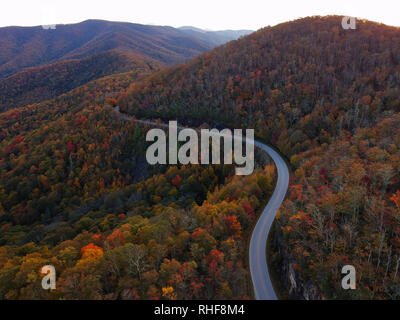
x=23 y=47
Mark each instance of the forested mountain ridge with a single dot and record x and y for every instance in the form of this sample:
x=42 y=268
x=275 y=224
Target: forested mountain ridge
x=23 y=47
x=37 y=84
x=319 y=93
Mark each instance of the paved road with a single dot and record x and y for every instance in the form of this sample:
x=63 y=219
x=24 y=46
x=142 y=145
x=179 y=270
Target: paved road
x=262 y=284
x=263 y=289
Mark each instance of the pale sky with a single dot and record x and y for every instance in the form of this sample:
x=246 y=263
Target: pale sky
x=206 y=14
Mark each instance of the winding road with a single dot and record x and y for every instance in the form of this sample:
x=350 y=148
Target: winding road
x=263 y=289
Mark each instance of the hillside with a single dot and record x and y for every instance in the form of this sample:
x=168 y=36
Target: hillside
x=37 y=84
x=323 y=96
x=24 y=47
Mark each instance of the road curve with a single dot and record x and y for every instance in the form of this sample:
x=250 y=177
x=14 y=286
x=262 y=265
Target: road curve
x=263 y=289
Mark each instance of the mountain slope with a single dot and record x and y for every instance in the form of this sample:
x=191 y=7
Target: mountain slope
x=23 y=47
x=46 y=82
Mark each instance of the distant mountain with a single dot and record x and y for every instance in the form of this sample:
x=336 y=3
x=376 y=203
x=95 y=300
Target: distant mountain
x=233 y=34
x=217 y=37
x=37 y=84
x=23 y=47
x=185 y=28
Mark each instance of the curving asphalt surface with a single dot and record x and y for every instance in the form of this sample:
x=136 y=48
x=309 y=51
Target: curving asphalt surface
x=263 y=289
